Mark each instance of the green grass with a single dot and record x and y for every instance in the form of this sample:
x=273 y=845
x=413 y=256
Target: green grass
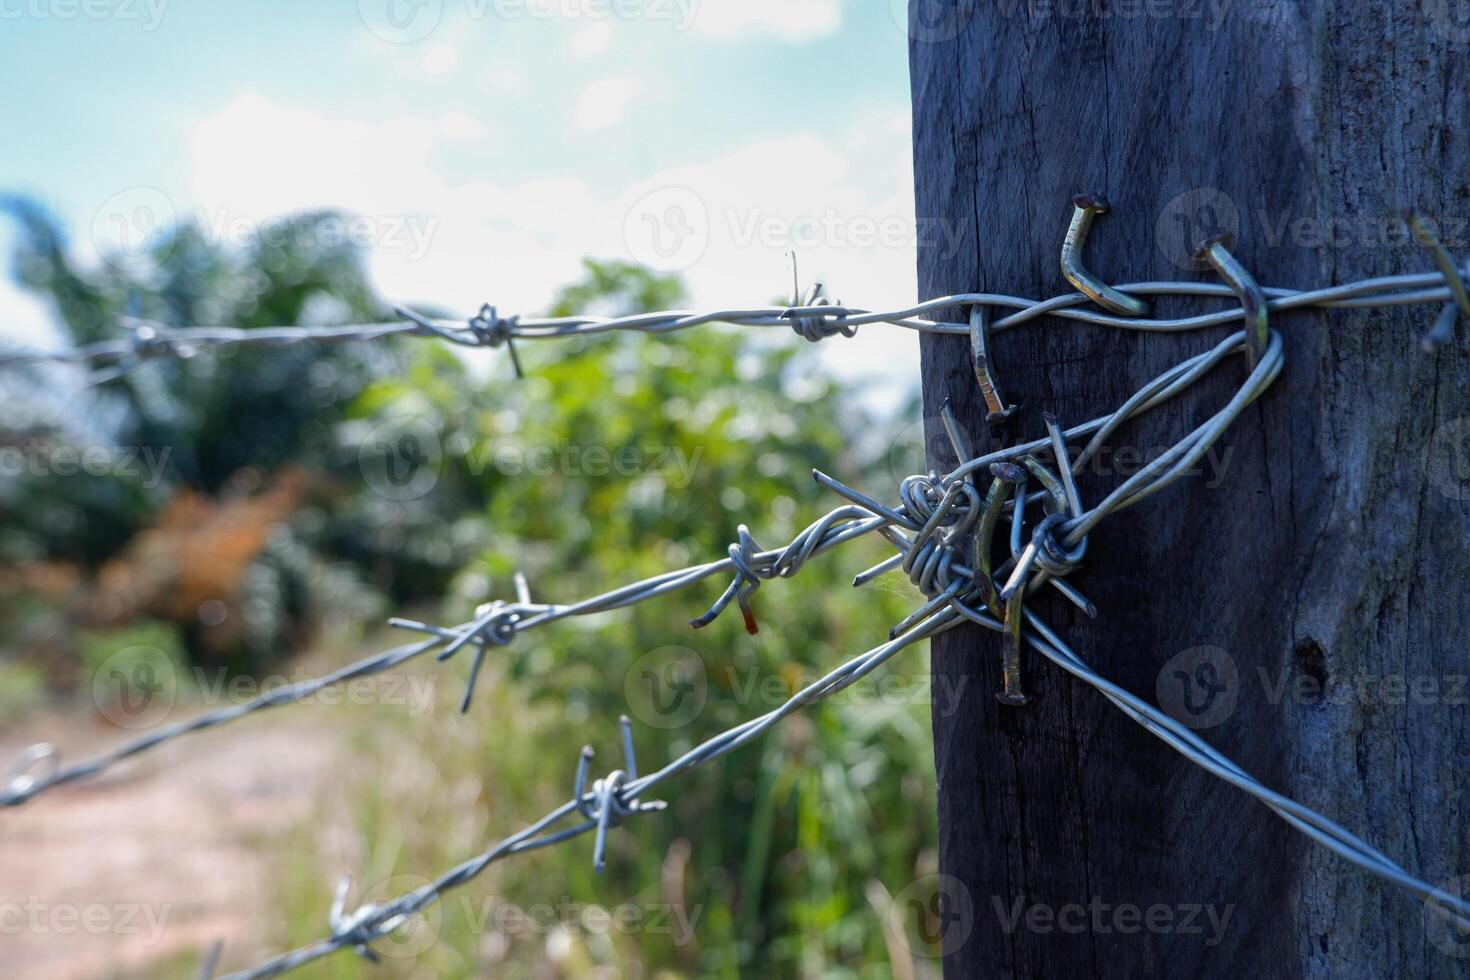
x=764 y=865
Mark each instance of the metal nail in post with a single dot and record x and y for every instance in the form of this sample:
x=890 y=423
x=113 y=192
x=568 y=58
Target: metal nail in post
x=1013 y=692
x=1007 y=476
x=1215 y=252
x=1086 y=207
x=996 y=409
x=1444 y=326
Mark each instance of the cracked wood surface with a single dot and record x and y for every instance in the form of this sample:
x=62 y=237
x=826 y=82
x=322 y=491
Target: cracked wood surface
x=1325 y=540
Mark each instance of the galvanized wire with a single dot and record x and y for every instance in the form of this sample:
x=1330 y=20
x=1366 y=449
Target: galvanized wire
x=496 y=624
x=818 y=318
x=938 y=511
x=938 y=517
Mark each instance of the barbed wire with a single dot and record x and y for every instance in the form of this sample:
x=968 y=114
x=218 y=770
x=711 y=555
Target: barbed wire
x=942 y=529
x=497 y=623
x=814 y=318
x=942 y=514
x=38 y=768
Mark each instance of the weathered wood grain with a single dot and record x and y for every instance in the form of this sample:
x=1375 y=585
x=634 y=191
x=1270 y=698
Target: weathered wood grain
x=1332 y=541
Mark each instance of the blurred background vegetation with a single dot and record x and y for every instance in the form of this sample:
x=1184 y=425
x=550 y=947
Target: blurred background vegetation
x=268 y=539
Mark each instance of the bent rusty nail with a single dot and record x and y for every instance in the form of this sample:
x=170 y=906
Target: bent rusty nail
x=1425 y=237
x=996 y=409
x=1444 y=326
x=1215 y=252
x=1007 y=475
x=1055 y=501
x=1085 y=208
x=1443 y=329
x=1012 y=693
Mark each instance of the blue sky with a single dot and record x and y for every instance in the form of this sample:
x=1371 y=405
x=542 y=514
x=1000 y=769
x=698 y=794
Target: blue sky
x=488 y=144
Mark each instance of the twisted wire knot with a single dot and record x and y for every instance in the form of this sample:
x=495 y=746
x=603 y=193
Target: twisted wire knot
x=945 y=513
x=151 y=339
x=809 y=326
x=813 y=327
x=1051 y=556
x=364 y=924
x=495 y=622
x=612 y=798
x=490 y=329
x=750 y=570
x=753 y=565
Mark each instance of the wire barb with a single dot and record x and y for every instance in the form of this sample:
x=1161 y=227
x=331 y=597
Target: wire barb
x=803 y=311
x=35 y=767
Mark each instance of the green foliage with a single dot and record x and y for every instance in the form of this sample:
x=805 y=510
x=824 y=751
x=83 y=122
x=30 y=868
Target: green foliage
x=784 y=837
x=223 y=423
x=618 y=457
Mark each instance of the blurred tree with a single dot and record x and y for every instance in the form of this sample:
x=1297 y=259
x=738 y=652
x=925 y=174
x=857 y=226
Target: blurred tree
x=223 y=425
x=412 y=472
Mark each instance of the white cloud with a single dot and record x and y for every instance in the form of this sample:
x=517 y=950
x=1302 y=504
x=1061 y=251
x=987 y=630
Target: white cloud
x=502 y=79
x=461 y=126
x=441 y=59
x=595 y=37
x=603 y=103
x=844 y=202
x=789 y=20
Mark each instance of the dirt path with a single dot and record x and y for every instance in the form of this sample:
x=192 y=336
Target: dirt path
x=156 y=860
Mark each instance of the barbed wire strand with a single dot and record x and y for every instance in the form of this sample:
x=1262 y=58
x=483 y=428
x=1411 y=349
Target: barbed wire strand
x=38 y=769
x=939 y=510
x=818 y=319
x=498 y=623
